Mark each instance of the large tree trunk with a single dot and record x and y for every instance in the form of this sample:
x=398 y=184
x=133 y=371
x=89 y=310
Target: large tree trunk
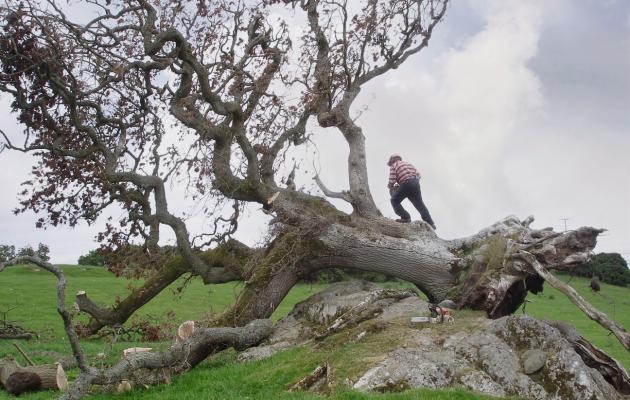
x=482 y=271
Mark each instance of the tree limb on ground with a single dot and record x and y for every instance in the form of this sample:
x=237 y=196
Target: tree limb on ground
x=141 y=366
x=590 y=311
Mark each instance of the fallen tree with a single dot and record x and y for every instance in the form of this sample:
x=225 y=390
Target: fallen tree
x=93 y=98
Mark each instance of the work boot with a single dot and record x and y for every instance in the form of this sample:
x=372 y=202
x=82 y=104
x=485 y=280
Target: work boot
x=404 y=221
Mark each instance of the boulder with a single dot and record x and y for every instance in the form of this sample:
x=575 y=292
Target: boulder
x=512 y=356
x=309 y=317
x=487 y=361
x=409 y=368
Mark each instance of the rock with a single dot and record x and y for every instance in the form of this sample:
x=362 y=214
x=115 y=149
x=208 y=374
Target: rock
x=566 y=376
x=406 y=369
x=301 y=323
x=261 y=352
x=533 y=361
x=480 y=382
x=498 y=360
x=448 y=304
x=324 y=307
x=512 y=356
x=487 y=361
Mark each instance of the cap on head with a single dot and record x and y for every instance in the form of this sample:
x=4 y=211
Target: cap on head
x=393 y=158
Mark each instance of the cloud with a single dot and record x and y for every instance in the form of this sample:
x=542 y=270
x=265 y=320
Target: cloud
x=459 y=106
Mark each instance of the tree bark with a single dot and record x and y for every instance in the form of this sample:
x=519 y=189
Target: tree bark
x=476 y=272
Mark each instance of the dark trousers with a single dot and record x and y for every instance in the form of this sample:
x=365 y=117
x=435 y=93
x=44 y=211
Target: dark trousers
x=410 y=190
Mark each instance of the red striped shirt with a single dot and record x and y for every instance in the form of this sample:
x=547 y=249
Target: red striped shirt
x=402 y=171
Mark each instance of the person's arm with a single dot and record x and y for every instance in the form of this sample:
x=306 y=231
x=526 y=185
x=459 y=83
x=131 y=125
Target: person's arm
x=392 y=177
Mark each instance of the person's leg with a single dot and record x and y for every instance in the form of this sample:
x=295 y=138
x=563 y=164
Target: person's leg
x=397 y=197
x=415 y=196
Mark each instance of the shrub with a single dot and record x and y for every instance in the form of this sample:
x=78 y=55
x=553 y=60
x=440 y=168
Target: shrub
x=94 y=257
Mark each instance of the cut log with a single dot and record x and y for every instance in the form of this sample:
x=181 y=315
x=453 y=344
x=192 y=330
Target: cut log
x=184 y=331
x=17 y=379
x=124 y=386
x=136 y=350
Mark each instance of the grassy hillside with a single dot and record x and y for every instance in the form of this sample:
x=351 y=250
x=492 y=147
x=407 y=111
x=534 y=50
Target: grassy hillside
x=32 y=292
x=612 y=300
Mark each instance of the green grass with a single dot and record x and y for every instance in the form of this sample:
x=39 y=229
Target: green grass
x=32 y=292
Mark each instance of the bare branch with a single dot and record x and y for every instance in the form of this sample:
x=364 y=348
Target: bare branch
x=344 y=195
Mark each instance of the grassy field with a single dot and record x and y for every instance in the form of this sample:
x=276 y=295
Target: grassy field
x=32 y=292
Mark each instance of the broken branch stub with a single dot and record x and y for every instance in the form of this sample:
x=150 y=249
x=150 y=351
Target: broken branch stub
x=321 y=375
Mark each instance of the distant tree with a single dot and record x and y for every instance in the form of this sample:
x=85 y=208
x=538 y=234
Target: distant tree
x=610 y=268
x=7 y=252
x=26 y=251
x=42 y=251
x=94 y=257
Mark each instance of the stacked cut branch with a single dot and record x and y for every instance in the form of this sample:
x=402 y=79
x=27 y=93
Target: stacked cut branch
x=17 y=379
x=147 y=368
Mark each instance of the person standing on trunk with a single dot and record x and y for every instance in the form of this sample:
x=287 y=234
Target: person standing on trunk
x=404 y=182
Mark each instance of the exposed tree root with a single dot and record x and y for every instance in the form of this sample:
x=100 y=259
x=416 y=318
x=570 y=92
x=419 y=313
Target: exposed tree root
x=494 y=281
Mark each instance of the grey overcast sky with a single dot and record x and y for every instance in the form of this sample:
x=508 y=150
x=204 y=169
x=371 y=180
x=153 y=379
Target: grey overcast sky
x=517 y=107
